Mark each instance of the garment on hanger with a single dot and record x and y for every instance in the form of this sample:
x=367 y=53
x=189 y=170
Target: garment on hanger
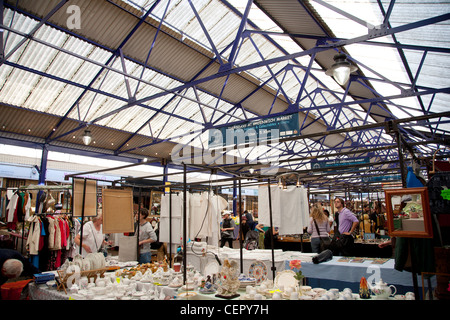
x=290 y=210
x=200 y=215
x=177 y=218
x=218 y=204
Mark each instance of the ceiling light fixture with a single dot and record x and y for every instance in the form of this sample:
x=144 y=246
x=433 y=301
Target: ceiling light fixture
x=341 y=69
x=87 y=137
x=251 y=170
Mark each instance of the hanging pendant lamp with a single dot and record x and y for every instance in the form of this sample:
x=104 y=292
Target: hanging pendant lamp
x=87 y=137
x=341 y=69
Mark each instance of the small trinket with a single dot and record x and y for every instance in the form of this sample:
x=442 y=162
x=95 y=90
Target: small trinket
x=364 y=292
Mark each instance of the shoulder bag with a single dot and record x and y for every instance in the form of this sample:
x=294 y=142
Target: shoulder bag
x=324 y=241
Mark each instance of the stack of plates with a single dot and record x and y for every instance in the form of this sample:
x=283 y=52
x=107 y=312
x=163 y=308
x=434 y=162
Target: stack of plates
x=246 y=281
x=93 y=261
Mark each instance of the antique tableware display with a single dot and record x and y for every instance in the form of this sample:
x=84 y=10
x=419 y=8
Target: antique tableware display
x=258 y=270
x=382 y=290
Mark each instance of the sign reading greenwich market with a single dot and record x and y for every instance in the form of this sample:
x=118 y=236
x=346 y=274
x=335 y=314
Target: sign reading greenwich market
x=255 y=132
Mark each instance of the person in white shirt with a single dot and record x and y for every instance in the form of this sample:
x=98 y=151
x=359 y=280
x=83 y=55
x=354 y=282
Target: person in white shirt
x=93 y=237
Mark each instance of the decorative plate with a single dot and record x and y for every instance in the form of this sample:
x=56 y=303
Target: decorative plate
x=286 y=278
x=187 y=295
x=211 y=268
x=258 y=270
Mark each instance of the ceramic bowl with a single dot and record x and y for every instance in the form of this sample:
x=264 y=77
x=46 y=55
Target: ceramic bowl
x=99 y=290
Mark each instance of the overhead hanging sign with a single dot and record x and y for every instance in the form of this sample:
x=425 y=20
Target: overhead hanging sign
x=336 y=163
x=258 y=131
x=384 y=178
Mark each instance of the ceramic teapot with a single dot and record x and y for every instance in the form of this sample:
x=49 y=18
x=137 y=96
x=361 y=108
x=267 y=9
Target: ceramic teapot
x=382 y=290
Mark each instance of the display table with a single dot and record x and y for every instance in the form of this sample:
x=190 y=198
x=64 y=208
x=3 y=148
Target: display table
x=338 y=274
x=202 y=259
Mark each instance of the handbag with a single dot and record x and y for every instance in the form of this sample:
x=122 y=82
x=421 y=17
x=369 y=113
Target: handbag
x=325 y=241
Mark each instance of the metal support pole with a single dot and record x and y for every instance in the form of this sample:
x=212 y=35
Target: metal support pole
x=234 y=196
x=400 y=158
x=271 y=231
x=184 y=223
x=82 y=216
x=138 y=229
x=241 y=232
x=170 y=227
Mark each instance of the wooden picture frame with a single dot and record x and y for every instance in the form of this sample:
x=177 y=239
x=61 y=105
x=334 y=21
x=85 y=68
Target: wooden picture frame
x=117 y=210
x=90 y=197
x=408 y=213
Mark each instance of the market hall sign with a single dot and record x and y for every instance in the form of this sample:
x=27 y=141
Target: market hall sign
x=336 y=163
x=255 y=132
x=391 y=177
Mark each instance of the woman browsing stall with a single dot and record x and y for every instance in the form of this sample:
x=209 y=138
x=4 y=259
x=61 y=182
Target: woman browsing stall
x=318 y=228
x=93 y=237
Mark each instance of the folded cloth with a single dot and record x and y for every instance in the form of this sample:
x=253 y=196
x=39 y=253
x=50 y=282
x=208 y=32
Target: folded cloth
x=324 y=256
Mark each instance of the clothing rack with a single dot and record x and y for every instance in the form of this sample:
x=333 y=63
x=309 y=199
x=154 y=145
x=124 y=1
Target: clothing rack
x=39 y=188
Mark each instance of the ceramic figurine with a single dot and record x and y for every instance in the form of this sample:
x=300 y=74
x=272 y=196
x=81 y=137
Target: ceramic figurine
x=364 y=292
x=229 y=283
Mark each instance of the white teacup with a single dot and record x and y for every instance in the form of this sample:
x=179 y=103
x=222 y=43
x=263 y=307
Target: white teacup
x=347 y=296
x=347 y=290
x=276 y=296
x=335 y=292
x=293 y=296
x=306 y=288
x=409 y=295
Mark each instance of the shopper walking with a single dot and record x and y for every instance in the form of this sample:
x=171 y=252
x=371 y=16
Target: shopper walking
x=227 y=229
x=318 y=228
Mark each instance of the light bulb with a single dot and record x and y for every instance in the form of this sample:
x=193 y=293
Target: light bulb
x=87 y=137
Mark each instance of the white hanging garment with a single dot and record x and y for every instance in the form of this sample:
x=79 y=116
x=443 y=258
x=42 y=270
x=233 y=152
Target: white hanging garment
x=177 y=219
x=218 y=203
x=290 y=209
x=200 y=215
x=263 y=205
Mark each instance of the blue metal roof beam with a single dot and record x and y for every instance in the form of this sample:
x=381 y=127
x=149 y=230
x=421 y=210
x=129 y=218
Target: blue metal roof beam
x=325 y=47
x=387 y=24
x=110 y=60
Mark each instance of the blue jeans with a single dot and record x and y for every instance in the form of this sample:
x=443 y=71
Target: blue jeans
x=145 y=257
x=315 y=245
